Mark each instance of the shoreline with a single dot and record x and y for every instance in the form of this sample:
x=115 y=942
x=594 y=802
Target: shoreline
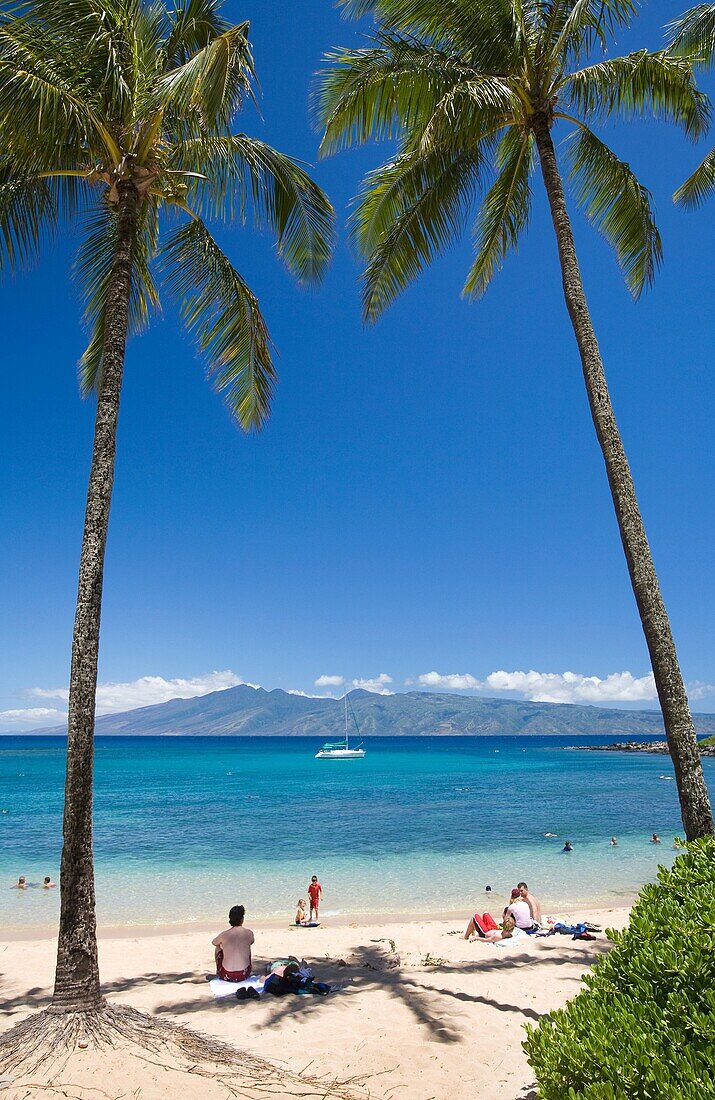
x=358 y=921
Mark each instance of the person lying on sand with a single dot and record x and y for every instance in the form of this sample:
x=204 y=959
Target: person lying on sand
x=486 y=928
x=532 y=901
x=233 y=948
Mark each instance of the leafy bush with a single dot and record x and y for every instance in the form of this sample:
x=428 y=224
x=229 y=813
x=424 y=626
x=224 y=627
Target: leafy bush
x=644 y=1026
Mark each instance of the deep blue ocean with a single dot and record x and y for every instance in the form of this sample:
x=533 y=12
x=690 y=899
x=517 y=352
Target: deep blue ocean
x=186 y=827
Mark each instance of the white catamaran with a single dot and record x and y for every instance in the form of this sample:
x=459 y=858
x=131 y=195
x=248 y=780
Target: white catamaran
x=340 y=750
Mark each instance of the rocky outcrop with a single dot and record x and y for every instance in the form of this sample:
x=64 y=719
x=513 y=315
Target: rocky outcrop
x=643 y=746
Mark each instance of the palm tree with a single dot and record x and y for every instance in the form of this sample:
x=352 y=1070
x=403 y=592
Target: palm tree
x=117 y=114
x=693 y=36
x=466 y=87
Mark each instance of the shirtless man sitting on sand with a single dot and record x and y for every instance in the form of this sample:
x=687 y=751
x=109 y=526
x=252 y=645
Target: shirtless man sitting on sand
x=533 y=902
x=233 y=948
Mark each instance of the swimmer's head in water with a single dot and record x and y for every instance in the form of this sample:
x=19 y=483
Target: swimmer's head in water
x=22 y=880
x=236 y=914
x=47 y=878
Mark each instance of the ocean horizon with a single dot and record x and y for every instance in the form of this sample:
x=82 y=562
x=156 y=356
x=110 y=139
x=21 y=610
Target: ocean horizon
x=187 y=826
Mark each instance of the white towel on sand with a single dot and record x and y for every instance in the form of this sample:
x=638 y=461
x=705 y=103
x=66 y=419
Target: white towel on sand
x=517 y=934
x=220 y=988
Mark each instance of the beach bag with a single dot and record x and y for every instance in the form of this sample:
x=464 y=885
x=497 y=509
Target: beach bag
x=278 y=985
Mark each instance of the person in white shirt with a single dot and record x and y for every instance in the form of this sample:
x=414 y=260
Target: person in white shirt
x=532 y=901
x=520 y=911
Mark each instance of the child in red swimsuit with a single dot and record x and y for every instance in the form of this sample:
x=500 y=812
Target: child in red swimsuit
x=314 y=893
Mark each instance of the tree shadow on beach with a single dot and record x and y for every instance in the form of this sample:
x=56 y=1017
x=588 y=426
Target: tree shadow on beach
x=370 y=968
x=27 y=999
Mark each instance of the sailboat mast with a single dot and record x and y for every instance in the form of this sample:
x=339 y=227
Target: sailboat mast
x=346 y=719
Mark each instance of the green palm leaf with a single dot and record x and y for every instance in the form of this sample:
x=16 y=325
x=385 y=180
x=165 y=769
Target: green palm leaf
x=191 y=27
x=504 y=212
x=410 y=210
x=693 y=35
x=27 y=213
x=220 y=310
x=700 y=186
x=488 y=34
x=579 y=24
x=617 y=205
x=214 y=81
x=383 y=91
x=653 y=84
x=240 y=170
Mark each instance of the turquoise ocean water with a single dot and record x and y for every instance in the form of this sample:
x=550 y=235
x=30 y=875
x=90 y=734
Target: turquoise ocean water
x=186 y=827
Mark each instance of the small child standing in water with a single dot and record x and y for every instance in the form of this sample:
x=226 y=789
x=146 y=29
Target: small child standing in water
x=300 y=911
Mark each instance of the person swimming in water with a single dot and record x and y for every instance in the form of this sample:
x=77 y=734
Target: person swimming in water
x=568 y=847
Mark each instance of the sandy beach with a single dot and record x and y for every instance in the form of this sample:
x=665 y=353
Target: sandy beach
x=447 y=1022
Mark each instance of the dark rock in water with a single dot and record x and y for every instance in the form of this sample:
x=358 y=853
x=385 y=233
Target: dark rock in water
x=644 y=746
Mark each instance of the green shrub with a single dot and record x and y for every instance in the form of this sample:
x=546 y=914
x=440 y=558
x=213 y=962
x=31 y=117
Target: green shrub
x=644 y=1026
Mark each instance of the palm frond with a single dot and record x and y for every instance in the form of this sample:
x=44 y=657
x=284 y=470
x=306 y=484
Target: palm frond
x=700 y=186
x=39 y=98
x=220 y=310
x=581 y=24
x=381 y=92
x=409 y=211
x=191 y=27
x=241 y=171
x=92 y=272
x=487 y=34
x=504 y=211
x=693 y=35
x=617 y=205
x=214 y=81
x=643 y=83
x=470 y=111
x=27 y=212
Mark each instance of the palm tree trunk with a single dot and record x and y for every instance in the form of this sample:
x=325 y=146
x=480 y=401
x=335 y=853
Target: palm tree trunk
x=680 y=731
x=77 y=973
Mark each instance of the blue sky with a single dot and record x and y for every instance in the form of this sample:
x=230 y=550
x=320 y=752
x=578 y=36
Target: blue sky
x=428 y=496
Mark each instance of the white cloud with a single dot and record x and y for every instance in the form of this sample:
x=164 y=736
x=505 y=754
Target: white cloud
x=452 y=681
x=148 y=690
x=573 y=687
x=32 y=716
x=555 y=687
x=699 y=690
x=330 y=681
x=378 y=684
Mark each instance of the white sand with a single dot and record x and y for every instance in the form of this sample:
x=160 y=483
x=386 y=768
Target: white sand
x=447 y=1024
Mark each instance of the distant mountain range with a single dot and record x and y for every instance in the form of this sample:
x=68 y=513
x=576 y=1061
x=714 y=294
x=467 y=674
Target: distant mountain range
x=254 y=712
